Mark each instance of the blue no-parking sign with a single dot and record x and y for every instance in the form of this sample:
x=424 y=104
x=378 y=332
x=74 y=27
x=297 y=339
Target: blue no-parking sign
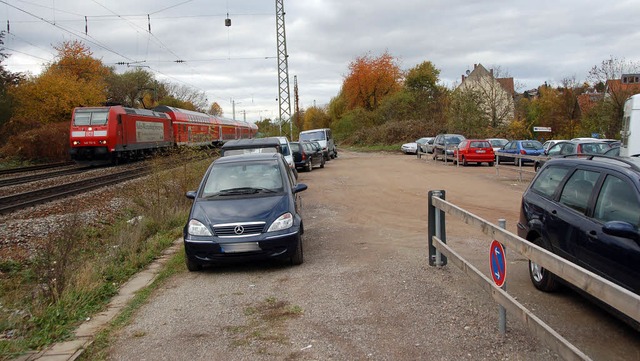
x=498 y=263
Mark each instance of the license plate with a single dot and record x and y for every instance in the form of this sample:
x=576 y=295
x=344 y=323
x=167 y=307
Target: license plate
x=481 y=151
x=240 y=247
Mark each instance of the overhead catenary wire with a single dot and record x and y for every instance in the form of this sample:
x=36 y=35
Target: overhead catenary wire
x=93 y=38
x=79 y=35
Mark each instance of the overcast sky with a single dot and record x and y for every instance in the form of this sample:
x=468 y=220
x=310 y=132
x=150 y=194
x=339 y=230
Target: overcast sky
x=532 y=41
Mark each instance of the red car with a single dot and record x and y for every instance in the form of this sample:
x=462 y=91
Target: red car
x=475 y=151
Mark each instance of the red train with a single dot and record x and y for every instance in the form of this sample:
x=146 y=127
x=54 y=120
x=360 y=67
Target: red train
x=114 y=133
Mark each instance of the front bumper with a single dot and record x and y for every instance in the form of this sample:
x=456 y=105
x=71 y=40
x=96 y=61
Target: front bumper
x=272 y=245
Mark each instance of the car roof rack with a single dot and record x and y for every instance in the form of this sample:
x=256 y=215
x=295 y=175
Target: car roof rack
x=632 y=165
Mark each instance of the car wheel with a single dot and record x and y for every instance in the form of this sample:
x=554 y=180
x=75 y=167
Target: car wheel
x=192 y=266
x=309 y=166
x=464 y=162
x=298 y=257
x=541 y=278
x=536 y=166
x=490 y=164
x=322 y=163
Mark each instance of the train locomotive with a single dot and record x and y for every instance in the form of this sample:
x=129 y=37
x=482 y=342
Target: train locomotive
x=117 y=133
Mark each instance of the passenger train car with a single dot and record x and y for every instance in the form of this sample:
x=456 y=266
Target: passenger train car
x=114 y=133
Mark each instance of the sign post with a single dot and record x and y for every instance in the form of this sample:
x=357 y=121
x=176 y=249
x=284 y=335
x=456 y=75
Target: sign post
x=498 y=263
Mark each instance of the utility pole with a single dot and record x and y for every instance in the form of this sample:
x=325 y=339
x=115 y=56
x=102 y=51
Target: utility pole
x=297 y=103
x=283 y=68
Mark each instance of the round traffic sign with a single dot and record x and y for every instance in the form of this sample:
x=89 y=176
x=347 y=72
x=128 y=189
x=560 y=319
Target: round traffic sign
x=498 y=263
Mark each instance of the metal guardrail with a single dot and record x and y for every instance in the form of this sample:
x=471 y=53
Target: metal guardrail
x=518 y=164
x=619 y=298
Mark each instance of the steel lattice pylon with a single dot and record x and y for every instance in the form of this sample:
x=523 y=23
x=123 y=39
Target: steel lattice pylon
x=283 y=68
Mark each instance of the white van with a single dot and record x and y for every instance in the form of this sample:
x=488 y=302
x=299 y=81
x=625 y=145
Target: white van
x=324 y=137
x=630 y=132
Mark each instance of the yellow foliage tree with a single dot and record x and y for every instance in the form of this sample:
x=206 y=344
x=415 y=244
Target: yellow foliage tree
x=75 y=79
x=315 y=118
x=215 y=109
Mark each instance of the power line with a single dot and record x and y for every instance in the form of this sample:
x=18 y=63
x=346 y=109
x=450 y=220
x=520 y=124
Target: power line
x=21 y=52
x=66 y=30
x=170 y=7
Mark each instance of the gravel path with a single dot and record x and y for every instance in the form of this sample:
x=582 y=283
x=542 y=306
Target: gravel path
x=364 y=291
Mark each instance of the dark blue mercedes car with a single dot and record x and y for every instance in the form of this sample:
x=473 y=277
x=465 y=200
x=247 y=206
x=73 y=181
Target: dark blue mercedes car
x=247 y=207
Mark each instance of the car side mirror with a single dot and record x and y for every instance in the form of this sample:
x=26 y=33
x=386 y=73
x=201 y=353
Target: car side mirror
x=621 y=229
x=299 y=188
x=191 y=194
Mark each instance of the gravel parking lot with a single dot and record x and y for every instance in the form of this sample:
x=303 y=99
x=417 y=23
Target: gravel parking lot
x=365 y=290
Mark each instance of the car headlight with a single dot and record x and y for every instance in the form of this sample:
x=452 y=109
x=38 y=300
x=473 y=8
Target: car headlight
x=283 y=222
x=196 y=228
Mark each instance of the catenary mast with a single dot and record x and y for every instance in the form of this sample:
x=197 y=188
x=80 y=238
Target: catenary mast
x=283 y=68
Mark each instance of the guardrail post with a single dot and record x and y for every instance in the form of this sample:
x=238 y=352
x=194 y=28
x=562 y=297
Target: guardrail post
x=502 y=312
x=436 y=227
x=520 y=169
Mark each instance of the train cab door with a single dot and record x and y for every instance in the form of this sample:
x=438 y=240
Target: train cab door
x=120 y=141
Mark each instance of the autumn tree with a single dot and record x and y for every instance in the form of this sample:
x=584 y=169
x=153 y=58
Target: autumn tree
x=74 y=79
x=215 y=109
x=466 y=114
x=423 y=80
x=315 y=117
x=135 y=88
x=609 y=73
x=188 y=97
x=370 y=80
x=43 y=104
x=7 y=81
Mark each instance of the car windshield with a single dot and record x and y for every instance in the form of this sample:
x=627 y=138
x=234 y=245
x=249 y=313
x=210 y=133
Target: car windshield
x=498 y=142
x=453 y=140
x=317 y=135
x=243 y=178
x=531 y=144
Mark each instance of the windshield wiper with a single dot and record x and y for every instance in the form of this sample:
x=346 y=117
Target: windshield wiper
x=241 y=190
x=266 y=190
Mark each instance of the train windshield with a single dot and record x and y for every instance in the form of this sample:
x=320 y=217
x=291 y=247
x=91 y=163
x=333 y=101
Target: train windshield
x=90 y=117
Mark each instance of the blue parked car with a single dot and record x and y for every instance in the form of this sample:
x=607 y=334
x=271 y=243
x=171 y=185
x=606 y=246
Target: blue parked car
x=521 y=147
x=246 y=207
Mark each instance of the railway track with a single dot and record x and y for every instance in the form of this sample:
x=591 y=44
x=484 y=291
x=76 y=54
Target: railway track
x=34 y=168
x=23 y=200
x=40 y=176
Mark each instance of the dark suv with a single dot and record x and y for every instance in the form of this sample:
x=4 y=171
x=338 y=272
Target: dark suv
x=586 y=210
